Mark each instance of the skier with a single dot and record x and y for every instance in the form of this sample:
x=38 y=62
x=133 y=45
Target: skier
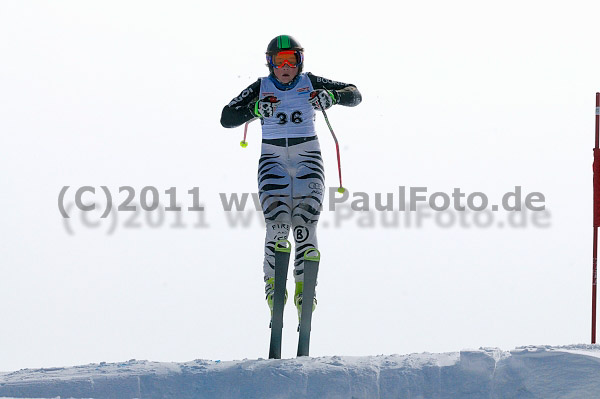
x=291 y=177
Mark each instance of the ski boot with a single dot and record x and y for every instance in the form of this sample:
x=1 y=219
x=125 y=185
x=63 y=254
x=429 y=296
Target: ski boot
x=270 y=290
x=298 y=300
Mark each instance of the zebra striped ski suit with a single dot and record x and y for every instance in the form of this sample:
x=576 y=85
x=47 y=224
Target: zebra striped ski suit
x=291 y=176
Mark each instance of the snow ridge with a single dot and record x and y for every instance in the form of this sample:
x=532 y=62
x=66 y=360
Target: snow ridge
x=485 y=373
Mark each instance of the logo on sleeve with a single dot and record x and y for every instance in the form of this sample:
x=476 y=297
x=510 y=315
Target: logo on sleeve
x=239 y=98
x=322 y=80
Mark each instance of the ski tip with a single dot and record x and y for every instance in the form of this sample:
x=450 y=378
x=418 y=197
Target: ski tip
x=316 y=257
x=287 y=248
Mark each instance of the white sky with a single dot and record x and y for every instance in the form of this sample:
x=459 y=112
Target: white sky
x=478 y=95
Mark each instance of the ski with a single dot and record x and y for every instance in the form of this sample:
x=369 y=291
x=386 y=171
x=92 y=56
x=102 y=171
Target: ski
x=311 y=268
x=282 y=260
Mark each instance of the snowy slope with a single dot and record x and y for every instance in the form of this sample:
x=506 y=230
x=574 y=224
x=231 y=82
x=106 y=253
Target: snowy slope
x=526 y=372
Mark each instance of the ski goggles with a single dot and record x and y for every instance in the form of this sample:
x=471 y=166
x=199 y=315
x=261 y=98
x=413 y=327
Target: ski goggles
x=289 y=57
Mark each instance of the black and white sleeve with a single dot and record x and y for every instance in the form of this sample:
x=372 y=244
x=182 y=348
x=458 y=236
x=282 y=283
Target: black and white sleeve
x=239 y=110
x=345 y=93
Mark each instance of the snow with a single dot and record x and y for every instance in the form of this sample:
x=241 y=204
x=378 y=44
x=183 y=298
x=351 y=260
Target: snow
x=525 y=372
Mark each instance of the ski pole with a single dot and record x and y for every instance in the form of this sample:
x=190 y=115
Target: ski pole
x=596 y=170
x=337 y=148
x=244 y=143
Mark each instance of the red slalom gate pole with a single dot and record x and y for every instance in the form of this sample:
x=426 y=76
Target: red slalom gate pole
x=596 y=169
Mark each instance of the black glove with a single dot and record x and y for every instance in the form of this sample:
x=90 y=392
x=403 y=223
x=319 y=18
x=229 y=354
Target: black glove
x=321 y=99
x=265 y=108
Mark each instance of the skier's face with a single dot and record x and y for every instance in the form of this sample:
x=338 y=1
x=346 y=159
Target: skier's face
x=285 y=74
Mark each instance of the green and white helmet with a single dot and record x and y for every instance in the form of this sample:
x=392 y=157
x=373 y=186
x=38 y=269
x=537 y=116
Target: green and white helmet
x=284 y=43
